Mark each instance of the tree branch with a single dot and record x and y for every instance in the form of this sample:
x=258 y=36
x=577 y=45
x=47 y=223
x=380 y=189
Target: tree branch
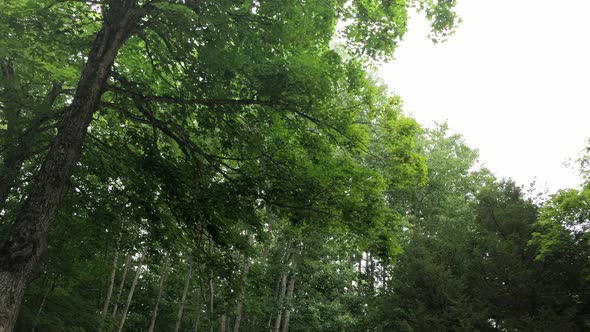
x=181 y=101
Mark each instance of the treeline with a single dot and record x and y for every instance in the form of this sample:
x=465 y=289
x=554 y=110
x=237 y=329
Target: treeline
x=232 y=166
x=458 y=251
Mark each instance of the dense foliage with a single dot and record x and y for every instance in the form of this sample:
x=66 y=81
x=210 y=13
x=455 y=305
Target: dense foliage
x=234 y=165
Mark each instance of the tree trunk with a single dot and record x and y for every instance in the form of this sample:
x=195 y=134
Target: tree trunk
x=371 y=273
x=238 y=316
x=107 y=301
x=21 y=252
x=183 y=298
x=289 y=305
x=266 y=247
x=276 y=296
x=130 y=296
x=42 y=305
x=160 y=289
x=196 y=326
x=281 y=299
x=20 y=150
x=211 y=303
x=211 y=291
x=223 y=319
x=121 y=285
x=242 y=291
x=292 y=264
x=280 y=302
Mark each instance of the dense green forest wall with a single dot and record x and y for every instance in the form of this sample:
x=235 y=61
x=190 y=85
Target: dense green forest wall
x=235 y=166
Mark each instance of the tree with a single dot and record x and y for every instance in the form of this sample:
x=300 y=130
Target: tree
x=197 y=58
x=560 y=240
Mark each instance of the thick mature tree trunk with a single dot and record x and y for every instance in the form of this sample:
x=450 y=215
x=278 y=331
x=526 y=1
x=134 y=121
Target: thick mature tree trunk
x=121 y=285
x=130 y=295
x=18 y=153
x=183 y=298
x=160 y=289
x=20 y=253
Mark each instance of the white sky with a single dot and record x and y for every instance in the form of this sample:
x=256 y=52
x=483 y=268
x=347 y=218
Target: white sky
x=514 y=81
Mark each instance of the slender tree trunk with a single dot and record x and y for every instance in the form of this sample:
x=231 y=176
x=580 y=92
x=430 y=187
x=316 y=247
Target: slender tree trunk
x=238 y=317
x=371 y=273
x=289 y=305
x=211 y=302
x=283 y=290
x=183 y=298
x=292 y=265
x=384 y=276
x=266 y=248
x=280 y=302
x=21 y=252
x=268 y=322
x=211 y=291
x=42 y=305
x=196 y=326
x=107 y=301
x=121 y=285
x=276 y=296
x=160 y=290
x=223 y=319
x=130 y=295
x=243 y=289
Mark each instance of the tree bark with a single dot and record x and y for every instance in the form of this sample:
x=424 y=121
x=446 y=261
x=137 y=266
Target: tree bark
x=107 y=301
x=20 y=150
x=281 y=299
x=130 y=295
x=42 y=305
x=160 y=289
x=183 y=298
x=242 y=291
x=21 y=252
x=280 y=302
x=121 y=285
x=211 y=291
x=211 y=303
x=196 y=326
x=266 y=247
x=276 y=296
x=292 y=265
x=223 y=319
x=289 y=305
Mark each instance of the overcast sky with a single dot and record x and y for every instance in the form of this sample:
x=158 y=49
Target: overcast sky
x=514 y=81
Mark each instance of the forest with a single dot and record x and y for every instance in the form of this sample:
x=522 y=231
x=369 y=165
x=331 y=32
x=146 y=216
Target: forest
x=236 y=165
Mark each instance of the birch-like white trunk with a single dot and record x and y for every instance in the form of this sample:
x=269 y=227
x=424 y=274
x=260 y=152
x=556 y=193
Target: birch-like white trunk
x=130 y=295
x=183 y=299
x=121 y=285
x=160 y=290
